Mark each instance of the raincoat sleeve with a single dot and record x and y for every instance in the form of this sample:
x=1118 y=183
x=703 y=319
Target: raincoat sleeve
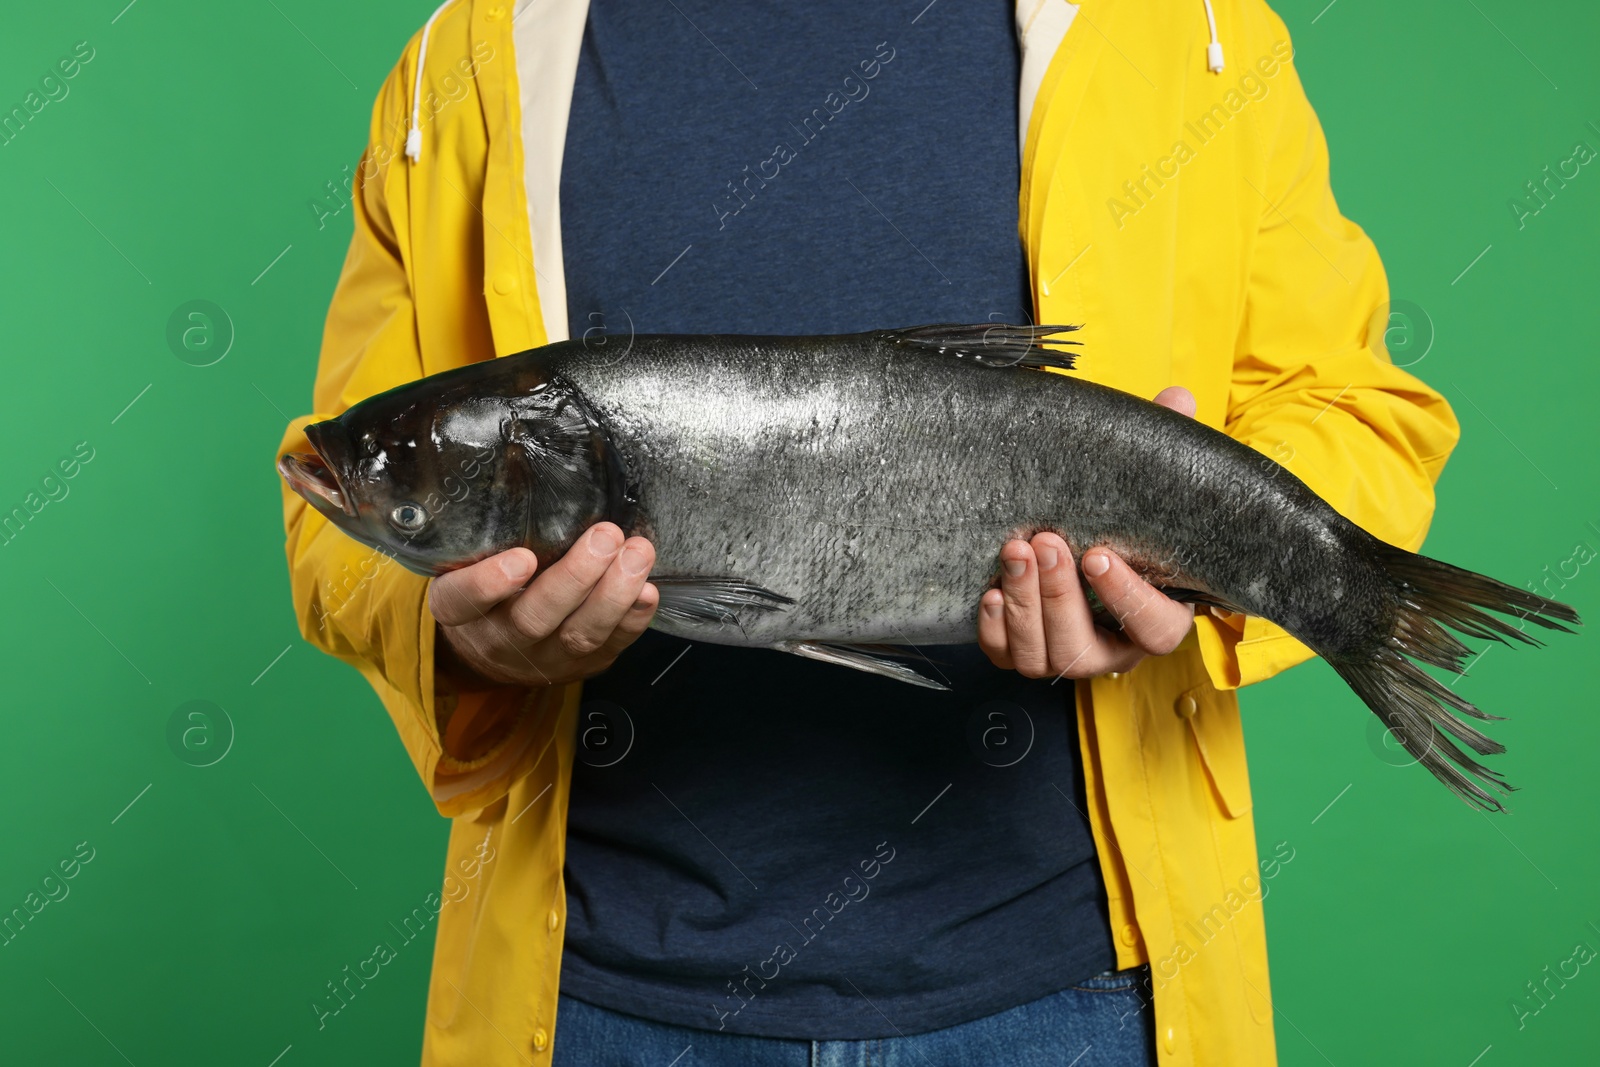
x=352 y=601
x=1313 y=385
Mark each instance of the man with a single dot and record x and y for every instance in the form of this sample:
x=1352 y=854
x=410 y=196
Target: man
x=941 y=904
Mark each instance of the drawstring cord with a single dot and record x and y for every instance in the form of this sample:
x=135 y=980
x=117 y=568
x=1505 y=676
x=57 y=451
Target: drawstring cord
x=414 y=134
x=1213 y=50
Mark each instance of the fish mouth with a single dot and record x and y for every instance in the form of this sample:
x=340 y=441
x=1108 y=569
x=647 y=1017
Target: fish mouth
x=312 y=476
x=309 y=476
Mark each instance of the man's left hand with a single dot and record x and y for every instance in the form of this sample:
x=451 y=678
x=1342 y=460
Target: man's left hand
x=1039 y=624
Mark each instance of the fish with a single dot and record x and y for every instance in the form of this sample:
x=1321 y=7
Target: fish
x=844 y=498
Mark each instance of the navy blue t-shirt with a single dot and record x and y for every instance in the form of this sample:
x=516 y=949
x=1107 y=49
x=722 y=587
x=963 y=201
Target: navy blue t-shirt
x=756 y=842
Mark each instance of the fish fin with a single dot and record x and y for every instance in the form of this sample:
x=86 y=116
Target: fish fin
x=847 y=656
x=873 y=648
x=990 y=344
x=562 y=465
x=1417 y=708
x=1432 y=592
x=713 y=599
x=1412 y=704
x=1195 y=596
x=894 y=652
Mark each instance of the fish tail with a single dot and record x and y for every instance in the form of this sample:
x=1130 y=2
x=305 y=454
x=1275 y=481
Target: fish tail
x=1418 y=709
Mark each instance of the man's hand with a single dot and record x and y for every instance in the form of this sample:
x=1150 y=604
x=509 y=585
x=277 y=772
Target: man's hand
x=1038 y=622
x=568 y=624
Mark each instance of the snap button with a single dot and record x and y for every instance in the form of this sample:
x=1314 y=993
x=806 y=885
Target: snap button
x=498 y=11
x=1187 y=705
x=504 y=284
x=555 y=920
x=542 y=1039
x=1169 y=1040
x=1130 y=935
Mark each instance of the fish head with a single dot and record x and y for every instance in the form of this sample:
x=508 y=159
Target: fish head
x=441 y=479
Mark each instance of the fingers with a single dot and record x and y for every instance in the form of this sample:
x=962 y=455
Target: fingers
x=1072 y=641
x=992 y=629
x=1038 y=622
x=470 y=593
x=565 y=584
x=634 y=623
x=1178 y=399
x=1150 y=620
x=1023 y=620
x=616 y=599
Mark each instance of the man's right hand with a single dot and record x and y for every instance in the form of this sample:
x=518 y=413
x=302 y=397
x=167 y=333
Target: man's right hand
x=568 y=624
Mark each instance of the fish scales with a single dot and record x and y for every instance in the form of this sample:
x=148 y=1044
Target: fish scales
x=938 y=455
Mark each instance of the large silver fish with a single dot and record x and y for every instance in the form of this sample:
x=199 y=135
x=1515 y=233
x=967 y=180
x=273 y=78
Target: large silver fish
x=821 y=494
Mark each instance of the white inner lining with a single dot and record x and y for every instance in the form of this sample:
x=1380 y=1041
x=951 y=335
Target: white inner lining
x=547 y=35
x=1041 y=25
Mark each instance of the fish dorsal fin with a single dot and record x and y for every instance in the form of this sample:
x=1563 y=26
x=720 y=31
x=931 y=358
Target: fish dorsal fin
x=990 y=344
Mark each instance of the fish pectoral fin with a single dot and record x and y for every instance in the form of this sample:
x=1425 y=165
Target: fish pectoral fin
x=847 y=656
x=990 y=344
x=713 y=599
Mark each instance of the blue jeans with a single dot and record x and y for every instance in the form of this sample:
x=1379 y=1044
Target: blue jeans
x=1105 y=1021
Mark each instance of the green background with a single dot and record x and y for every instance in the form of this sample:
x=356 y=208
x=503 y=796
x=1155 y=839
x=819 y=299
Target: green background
x=180 y=167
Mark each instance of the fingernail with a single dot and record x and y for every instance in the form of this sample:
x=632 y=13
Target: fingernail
x=1096 y=563
x=1016 y=567
x=516 y=567
x=1046 y=556
x=634 y=562
x=992 y=607
x=603 y=542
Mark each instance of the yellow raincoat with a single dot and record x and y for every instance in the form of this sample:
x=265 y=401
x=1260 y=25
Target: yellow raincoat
x=1183 y=214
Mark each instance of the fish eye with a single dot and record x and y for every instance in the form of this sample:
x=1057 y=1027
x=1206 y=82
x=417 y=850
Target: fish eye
x=409 y=516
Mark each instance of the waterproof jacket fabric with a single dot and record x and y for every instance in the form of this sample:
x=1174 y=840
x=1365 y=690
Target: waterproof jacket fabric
x=1183 y=215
